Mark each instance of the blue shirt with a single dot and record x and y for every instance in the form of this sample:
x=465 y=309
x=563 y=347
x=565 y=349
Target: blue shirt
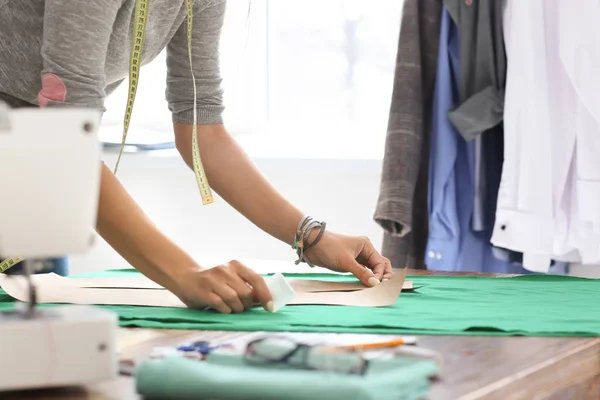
x=452 y=244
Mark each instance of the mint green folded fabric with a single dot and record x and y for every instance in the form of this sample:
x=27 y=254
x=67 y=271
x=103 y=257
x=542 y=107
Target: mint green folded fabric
x=229 y=378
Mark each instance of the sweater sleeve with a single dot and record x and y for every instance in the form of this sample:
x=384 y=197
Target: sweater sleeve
x=75 y=42
x=206 y=32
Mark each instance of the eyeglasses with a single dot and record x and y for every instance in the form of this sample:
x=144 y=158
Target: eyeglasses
x=277 y=351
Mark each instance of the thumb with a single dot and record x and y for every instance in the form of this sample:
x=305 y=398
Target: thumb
x=365 y=275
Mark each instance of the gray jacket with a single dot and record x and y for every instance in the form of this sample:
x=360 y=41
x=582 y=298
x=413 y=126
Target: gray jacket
x=402 y=205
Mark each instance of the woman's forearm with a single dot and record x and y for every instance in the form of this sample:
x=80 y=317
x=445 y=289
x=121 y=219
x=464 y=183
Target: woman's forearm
x=236 y=179
x=123 y=224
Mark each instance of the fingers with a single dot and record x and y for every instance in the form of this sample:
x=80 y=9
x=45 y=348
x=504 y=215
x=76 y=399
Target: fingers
x=243 y=291
x=363 y=274
x=230 y=298
x=237 y=288
x=381 y=266
x=388 y=275
x=378 y=270
x=388 y=271
x=261 y=291
x=217 y=303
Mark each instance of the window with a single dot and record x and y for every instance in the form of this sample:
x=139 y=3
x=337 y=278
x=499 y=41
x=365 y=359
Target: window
x=307 y=78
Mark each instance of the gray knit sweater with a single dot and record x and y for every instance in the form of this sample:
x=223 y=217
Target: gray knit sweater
x=76 y=52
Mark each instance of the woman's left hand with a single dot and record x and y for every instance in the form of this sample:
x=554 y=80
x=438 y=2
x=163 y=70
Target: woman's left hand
x=355 y=254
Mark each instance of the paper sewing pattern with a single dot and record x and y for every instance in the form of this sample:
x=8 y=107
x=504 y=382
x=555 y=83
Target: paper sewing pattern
x=141 y=282
x=313 y=285
x=140 y=291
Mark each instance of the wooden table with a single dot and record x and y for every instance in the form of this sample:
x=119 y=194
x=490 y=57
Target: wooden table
x=503 y=368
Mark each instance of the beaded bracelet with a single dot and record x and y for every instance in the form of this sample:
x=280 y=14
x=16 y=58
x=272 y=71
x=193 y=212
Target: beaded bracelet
x=305 y=227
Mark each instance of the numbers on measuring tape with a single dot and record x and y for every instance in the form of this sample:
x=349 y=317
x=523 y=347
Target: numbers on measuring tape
x=139 y=34
x=140 y=22
x=9 y=263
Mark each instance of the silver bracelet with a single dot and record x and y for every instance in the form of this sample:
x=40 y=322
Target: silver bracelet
x=305 y=227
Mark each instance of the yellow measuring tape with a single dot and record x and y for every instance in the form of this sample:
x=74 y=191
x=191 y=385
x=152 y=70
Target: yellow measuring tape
x=9 y=263
x=139 y=33
x=141 y=14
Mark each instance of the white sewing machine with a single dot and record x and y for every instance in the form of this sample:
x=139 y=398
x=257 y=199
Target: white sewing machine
x=50 y=179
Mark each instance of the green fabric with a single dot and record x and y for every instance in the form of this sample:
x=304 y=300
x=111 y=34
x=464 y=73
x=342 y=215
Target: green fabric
x=229 y=378
x=533 y=305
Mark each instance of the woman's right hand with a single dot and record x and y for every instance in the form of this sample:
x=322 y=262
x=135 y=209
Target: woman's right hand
x=227 y=288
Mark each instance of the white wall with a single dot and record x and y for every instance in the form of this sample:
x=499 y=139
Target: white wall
x=342 y=192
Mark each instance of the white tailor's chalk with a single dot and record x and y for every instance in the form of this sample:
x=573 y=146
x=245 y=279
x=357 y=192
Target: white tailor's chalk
x=281 y=291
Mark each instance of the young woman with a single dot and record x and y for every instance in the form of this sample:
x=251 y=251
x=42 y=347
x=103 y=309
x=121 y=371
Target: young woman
x=63 y=53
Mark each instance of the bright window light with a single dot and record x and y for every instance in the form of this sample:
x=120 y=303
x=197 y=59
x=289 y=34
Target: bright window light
x=307 y=79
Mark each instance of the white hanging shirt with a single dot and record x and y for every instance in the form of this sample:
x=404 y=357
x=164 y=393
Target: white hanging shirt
x=549 y=198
